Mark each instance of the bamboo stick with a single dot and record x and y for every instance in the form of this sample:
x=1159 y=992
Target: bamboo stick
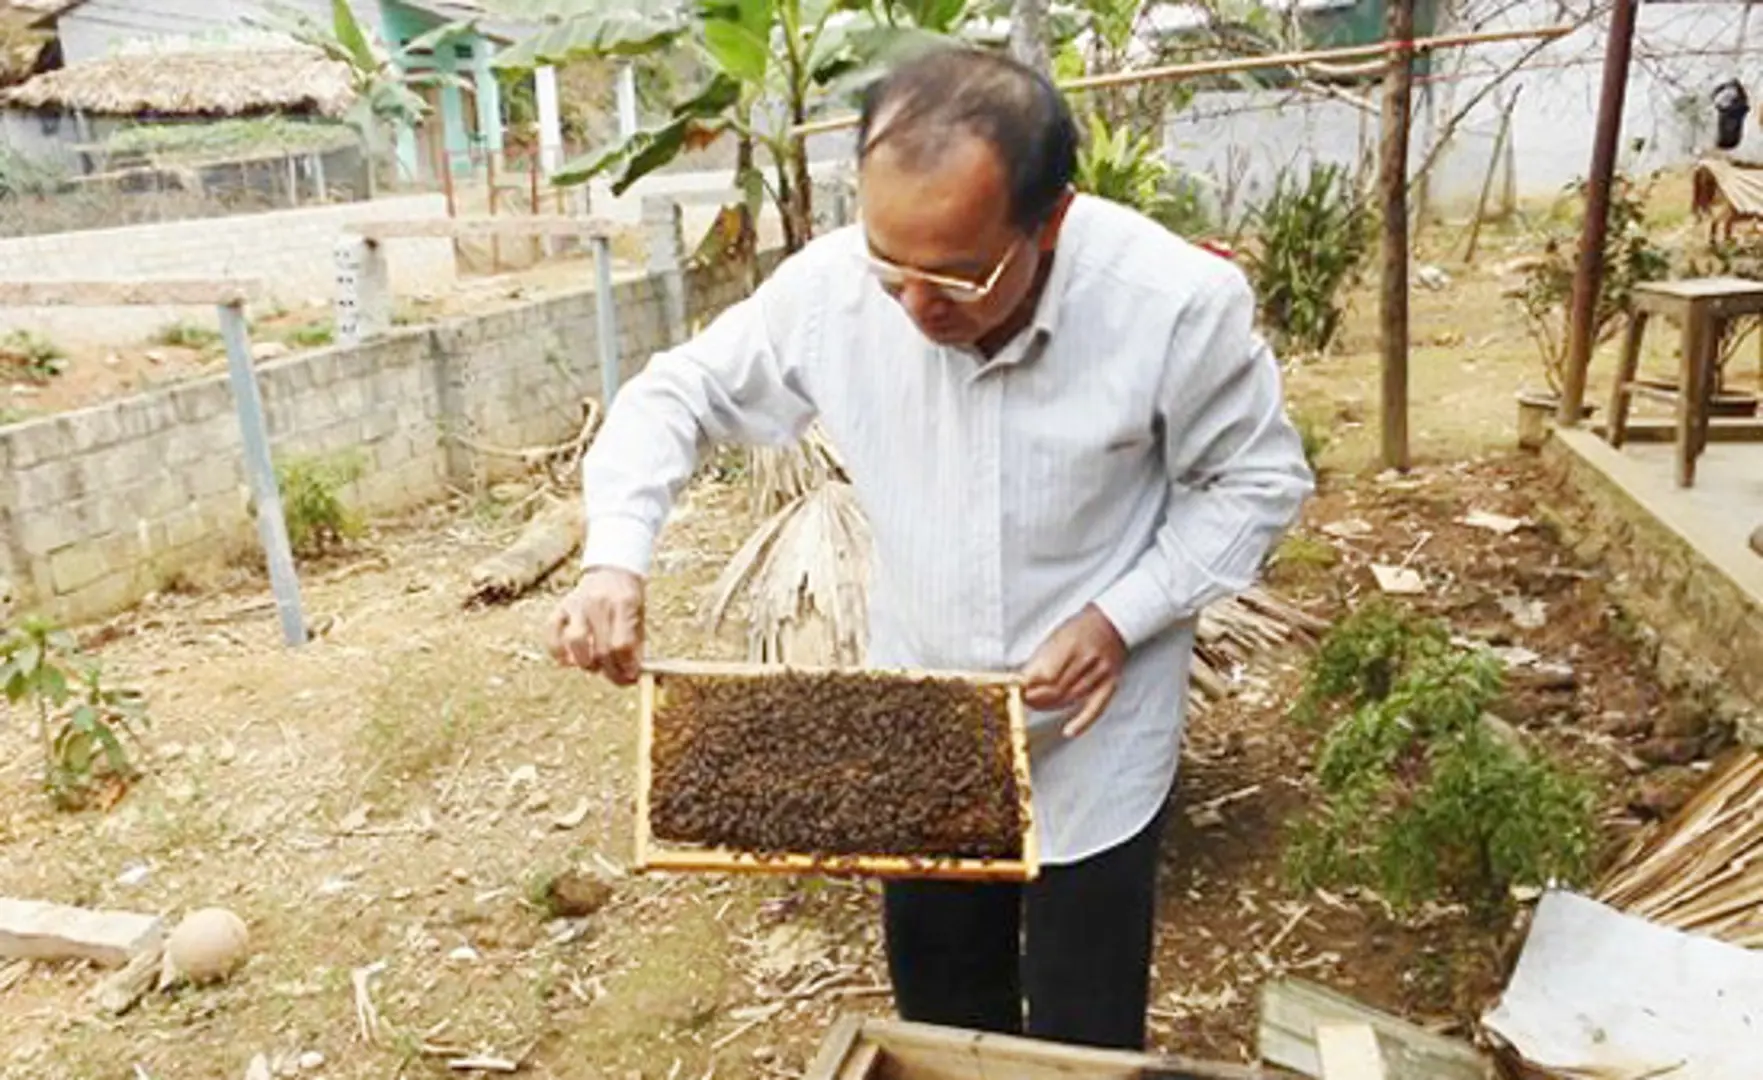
x=1173 y=72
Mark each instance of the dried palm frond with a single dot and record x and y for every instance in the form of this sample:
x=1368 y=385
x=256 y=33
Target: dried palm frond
x=806 y=575
x=1702 y=871
x=780 y=475
x=1235 y=630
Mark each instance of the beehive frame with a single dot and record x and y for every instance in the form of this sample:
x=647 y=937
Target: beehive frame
x=654 y=854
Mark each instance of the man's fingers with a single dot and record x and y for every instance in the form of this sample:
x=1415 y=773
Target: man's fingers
x=1098 y=701
x=624 y=644
x=1077 y=674
x=578 y=643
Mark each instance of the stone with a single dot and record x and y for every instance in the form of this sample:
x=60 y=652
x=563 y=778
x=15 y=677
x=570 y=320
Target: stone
x=209 y=945
x=575 y=895
x=1669 y=750
x=264 y=351
x=33 y=930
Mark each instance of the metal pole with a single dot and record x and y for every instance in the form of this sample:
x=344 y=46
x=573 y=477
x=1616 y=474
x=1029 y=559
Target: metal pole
x=627 y=101
x=606 y=319
x=1589 y=279
x=1393 y=179
x=272 y=528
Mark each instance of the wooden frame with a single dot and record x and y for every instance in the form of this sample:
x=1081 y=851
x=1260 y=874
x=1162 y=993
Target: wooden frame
x=652 y=854
x=857 y=1048
x=480 y=228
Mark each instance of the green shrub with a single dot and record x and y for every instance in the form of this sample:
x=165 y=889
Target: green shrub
x=317 y=518
x=1311 y=241
x=1630 y=257
x=82 y=719
x=187 y=335
x=1425 y=796
x=33 y=354
x=312 y=335
x=1130 y=169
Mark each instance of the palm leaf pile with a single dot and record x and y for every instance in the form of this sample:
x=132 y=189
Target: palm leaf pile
x=1702 y=871
x=804 y=572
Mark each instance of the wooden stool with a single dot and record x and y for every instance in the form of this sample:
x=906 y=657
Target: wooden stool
x=1703 y=307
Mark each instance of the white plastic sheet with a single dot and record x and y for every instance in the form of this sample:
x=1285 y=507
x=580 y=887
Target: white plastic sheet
x=1598 y=993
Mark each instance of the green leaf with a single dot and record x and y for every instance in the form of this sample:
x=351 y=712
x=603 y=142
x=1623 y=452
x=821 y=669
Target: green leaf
x=441 y=37
x=113 y=750
x=737 y=50
x=642 y=153
x=350 y=36
x=591 y=33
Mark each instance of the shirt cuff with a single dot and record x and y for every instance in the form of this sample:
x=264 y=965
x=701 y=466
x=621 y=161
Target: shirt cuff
x=623 y=543
x=1137 y=608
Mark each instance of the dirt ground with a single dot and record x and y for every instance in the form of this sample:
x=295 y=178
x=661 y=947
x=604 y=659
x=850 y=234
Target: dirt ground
x=389 y=804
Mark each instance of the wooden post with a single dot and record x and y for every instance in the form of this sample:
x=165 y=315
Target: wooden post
x=320 y=194
x=1590 y=277
x=272 y=528
x=606 y=318
x=1393 y=180
x=1487 y=181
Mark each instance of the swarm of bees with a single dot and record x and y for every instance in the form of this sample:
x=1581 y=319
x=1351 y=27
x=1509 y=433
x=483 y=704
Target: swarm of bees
x=835 y=763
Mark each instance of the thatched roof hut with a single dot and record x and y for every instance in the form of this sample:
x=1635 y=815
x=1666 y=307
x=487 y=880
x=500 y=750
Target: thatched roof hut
x=226 y=78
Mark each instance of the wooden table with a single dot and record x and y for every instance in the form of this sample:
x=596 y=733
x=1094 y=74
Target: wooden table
x=1703 y=307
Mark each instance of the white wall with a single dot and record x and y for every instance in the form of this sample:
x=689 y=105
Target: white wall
x=96 y=27
x=289 y=250
x=1682 y=51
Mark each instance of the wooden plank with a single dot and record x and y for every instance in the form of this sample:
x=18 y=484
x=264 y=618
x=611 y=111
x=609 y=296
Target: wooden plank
x=863 y=1064
x=481 y=228
x=690 y=668
x=1292 y=1009
x=137 y=292
x=645 y=748
x=841 y=1040
x=1720 y=430
x=1349 y=1052
x=34 y=930
x=660 y=856
x=914 y=1051
x=1031 y=843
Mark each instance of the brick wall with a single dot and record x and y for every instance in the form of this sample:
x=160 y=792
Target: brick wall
x=1703 y=633
x=99 y=506
x=290 y=250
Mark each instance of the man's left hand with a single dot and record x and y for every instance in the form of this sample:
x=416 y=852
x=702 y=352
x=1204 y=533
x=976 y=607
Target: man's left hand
x=1079 y=662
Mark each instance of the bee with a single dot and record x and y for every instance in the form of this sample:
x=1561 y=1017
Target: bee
x=832 y=765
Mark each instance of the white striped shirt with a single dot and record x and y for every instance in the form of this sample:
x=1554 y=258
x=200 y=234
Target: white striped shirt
x=1130 y=449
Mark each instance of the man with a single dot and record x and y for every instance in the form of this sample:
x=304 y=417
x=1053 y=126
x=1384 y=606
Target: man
x=1067 y=440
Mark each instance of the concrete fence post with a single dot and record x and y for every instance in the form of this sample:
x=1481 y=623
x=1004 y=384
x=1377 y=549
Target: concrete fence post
x=364 y=290
x=664 y=235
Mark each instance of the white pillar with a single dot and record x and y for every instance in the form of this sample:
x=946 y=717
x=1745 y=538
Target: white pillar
x=627 y=101
x=364 y=292
x=550 y=119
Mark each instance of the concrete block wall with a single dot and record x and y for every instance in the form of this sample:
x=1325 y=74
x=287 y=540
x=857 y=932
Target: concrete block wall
x=290 y=250
x=102 y=505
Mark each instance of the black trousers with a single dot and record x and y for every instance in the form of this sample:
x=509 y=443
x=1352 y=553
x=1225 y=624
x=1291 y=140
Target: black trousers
x=1076 y=943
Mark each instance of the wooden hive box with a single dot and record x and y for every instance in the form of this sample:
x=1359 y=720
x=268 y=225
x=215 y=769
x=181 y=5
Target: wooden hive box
x=657 y=851
x=857 y=1048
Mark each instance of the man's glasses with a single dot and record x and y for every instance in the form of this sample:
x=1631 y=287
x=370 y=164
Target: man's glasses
x=894 y=277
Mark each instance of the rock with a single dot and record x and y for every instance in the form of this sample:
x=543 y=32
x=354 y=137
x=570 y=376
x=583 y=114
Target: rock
x=258 y=1069
x=265 y=351
x=1663 y=793
x=154 y=356
x=208 y=946
x=311 y=1060
x=1433 y=278
x=574 y=894
x=1669 y=750
x=1622 y=725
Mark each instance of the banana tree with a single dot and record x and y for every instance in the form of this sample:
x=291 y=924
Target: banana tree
x=385 y=81
x=772 y=62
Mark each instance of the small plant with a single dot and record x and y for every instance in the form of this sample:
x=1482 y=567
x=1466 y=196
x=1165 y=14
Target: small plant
x=312 y=335
x=38 y=358
x=1130 y=169
x=1311 y=243
x=82 y=720
x=1425 y=796
x=312 y=504
x=187 y=335
x=1630 y=257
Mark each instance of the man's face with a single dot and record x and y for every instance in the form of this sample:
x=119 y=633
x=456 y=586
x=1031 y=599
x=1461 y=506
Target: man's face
x=949 y=220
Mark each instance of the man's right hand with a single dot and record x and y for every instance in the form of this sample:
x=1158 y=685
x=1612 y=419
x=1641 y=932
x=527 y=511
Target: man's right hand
x=599 y=625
